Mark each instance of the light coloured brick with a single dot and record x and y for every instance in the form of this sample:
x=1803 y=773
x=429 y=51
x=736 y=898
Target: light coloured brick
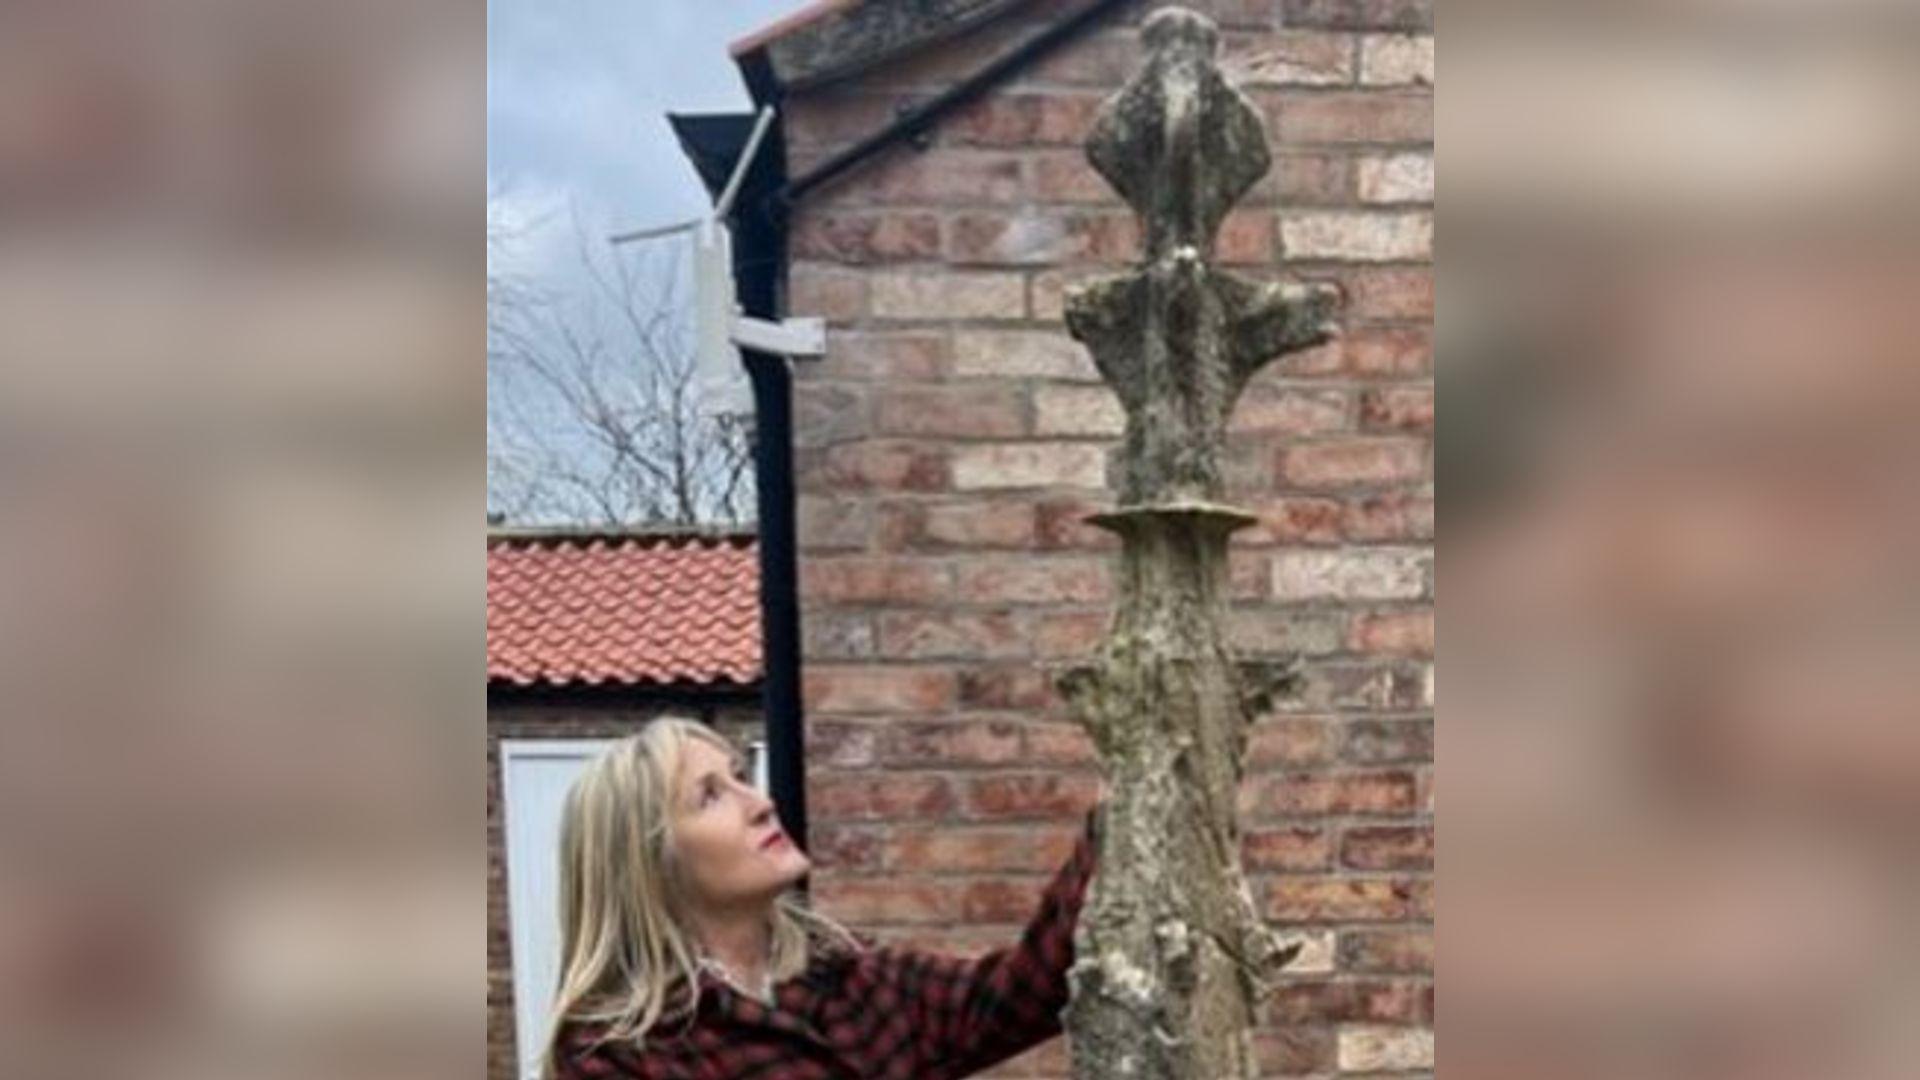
x=1358 y=236
x=1289 y=59
x=1013 y=354
x=1396 y=60
x=1026 y=465
x=1316 y=953
x=1077 y=410
x=825 y=292
x=948 y=295
x=1371 y=574
x=1396 y=178
x=1370 y=1048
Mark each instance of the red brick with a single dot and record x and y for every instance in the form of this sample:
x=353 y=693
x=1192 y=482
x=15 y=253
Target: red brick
x=1390 y=353
x=1297 y=520
x=1292 y=848
x=1245 y=14
x=1390 y=516
x=827 y=292
x=874 y=465
x=1388 y=847
x=1320 y=361
x=1245 y=237
x=1339 y=899
x=865 y=579
x=1065 y=176
x=1060 y=744
x=837 y=635
x=1314 y=794
x=1295 y=1051
x=952 y=411
x=1051 y=580
x=1312 y=179
x=1396 y=633
x=945 y=527
x=1356 y=117
x=846 y=849
x=1397 y=408
x=957 y=635
x=1024 y=120
x=1105 y=60
x=870 y=901
x=1001 y=900
x=1069 y=634
x=1061 y=524
x=941 y=176
x=1031 y=795
x=1039 y=238
x=829 y=524
x=1387 y=952
x=826 y=413
x=866 y=237
x=1389 y=293
x=950 y=849
x=877 y=796
x=1358 y=14
x=1249 y=578
x=1360 y=1001
x=951 y=742
x=1292 y=741
x=875 y=689
x=1269 y=408
x=1355 y=462
x=903 y=357
x=842 y=746
x=1005 y=687
x=1381 y=742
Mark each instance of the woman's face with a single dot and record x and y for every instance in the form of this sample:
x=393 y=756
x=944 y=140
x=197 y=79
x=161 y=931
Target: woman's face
x=732 y=849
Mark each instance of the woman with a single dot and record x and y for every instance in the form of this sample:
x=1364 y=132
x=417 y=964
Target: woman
x=687 y=956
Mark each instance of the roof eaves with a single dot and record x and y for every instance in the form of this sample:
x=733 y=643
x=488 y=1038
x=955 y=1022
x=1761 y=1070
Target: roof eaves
x=835 y=39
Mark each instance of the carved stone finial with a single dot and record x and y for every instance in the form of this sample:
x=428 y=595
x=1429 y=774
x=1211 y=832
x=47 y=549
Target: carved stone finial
x=1178 y=143
x=1176 y=338
x=1173 y=952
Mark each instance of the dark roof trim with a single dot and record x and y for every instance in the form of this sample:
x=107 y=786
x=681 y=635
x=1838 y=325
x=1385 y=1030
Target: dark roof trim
x=922 y=117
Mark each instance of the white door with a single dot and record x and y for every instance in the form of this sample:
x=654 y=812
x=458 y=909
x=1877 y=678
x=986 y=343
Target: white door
x=535 y=776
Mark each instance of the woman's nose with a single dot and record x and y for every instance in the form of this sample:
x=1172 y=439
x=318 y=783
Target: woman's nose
x=758 y=805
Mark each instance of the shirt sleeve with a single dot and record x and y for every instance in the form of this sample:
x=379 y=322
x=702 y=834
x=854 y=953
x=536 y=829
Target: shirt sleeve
x=977 y=1013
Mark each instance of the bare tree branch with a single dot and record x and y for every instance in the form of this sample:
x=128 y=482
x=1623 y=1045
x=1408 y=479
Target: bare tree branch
x=597 y=414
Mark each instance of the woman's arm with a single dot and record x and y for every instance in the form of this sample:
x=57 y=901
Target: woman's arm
x=977 y=1013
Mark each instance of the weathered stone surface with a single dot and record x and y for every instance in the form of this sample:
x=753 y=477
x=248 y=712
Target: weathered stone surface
x=857 y=36
x=1172 y=950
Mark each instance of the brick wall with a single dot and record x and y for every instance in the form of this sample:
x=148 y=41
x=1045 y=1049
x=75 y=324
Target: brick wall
x=585 y=720
x=955 y=434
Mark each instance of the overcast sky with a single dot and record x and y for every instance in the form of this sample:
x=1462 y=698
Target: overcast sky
x=577 y=97
x=578 y=148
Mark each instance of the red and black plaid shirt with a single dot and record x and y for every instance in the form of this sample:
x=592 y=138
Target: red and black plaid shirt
x=883 y=1014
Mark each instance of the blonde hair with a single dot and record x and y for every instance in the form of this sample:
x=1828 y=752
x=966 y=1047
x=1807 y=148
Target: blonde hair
x=628 y=957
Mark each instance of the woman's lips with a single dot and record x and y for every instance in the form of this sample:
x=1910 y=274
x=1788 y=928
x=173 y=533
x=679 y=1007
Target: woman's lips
x=775 y=840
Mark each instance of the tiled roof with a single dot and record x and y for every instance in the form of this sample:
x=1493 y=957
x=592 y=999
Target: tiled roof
x=622 y=610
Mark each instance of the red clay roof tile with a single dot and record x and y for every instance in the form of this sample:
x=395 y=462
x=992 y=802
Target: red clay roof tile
x=623 y=610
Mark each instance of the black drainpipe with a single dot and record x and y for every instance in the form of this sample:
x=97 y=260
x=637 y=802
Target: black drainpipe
x=759 y=266
x=759 y=259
